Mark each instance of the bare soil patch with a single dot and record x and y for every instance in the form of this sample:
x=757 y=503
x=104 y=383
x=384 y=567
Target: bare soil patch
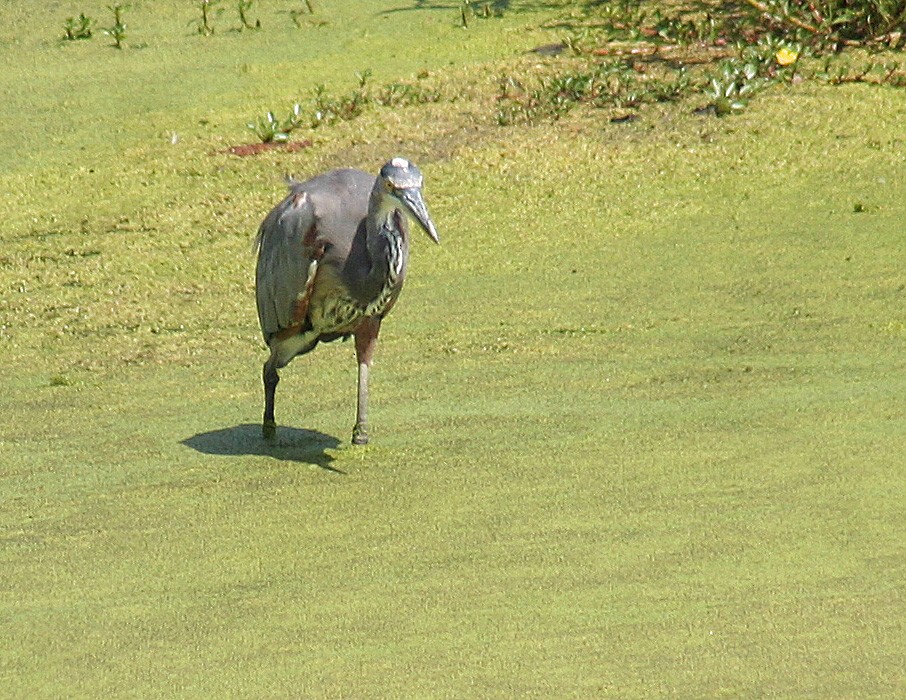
x=253 y=149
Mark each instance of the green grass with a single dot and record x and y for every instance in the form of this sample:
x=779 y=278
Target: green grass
x=637 y=424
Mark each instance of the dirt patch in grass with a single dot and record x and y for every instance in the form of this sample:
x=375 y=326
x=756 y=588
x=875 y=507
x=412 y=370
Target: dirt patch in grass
x=254 y=149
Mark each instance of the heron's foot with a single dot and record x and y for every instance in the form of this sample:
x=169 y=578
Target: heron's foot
x=269 y=430
x=360 y=435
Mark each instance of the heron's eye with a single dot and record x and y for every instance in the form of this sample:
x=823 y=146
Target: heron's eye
x=388 y=185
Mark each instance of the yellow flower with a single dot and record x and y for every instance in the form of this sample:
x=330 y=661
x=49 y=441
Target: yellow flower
x=785 y=56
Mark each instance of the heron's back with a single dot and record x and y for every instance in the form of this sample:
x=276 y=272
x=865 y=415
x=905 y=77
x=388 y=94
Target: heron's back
x=340 y=202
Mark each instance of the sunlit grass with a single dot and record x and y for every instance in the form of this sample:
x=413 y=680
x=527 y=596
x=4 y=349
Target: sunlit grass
x=637 y=423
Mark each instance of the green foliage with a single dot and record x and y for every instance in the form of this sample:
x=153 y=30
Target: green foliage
x=328 y=109
x=613 y=83
x=838 y=72
x=822 y=24
x=117 y=31
x=243 y=7
x=706 y=29
x=621 y=20
x=771 y=39
x=628 y=20
x=75 y=29
x=270 y=129
x=834 y=23
x=60 y=380
x=469 y=9
x=730 y=90
x=738 y=78
x=406 y=94
x=297 y=14
x=209 y=9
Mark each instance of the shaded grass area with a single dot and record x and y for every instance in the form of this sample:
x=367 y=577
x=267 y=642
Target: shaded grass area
x=638 y=424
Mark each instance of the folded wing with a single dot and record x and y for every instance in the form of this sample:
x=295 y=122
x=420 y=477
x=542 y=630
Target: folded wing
x=288 y=255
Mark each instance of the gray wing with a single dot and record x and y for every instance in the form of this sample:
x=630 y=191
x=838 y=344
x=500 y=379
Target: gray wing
x=321 y=216
x=285 y=252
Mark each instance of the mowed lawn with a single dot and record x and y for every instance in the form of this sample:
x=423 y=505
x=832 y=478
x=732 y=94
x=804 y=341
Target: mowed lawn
x=638 y=424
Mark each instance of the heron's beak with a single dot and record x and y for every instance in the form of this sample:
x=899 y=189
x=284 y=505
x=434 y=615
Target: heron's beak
x=412 y=198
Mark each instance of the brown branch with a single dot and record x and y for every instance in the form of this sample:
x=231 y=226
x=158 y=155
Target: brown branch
x=764 y=9
x=816 y=13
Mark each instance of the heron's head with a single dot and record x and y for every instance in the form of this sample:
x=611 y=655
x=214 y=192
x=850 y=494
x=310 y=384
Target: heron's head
x=400 y=185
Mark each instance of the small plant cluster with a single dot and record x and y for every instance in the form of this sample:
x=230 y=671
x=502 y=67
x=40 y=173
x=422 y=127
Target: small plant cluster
x=81 y=27
x=626 y=21
x=327 y=109
x=243 y=7
x=330 y=110
x=736 y=79
x=117 y=31
x=210 y=10
x=77 y=28
x=297 y=14
x=819 y=24
x=743 y=49
x=873 y=72
x=731 y=88
x=469 y=9
x=272 y=130
x=833 y=24
x=400 y=94
x=612 y=83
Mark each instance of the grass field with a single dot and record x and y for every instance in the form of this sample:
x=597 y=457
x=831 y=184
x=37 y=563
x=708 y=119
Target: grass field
x=638 y=424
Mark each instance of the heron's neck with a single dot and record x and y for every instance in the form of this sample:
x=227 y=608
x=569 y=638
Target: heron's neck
x=388 y=231
x=393 y=244
x=388 y=247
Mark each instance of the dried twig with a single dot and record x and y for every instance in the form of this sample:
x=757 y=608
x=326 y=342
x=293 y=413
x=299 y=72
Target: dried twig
x=796 y=22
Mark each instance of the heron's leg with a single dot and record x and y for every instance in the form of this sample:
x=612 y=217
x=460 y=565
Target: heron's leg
x=365 y=342
x=271 y=379
x=360 y=431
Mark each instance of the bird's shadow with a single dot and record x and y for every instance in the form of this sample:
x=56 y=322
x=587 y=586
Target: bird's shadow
x=291 y=444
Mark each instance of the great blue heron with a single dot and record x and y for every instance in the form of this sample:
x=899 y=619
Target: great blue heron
x=332 y=259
